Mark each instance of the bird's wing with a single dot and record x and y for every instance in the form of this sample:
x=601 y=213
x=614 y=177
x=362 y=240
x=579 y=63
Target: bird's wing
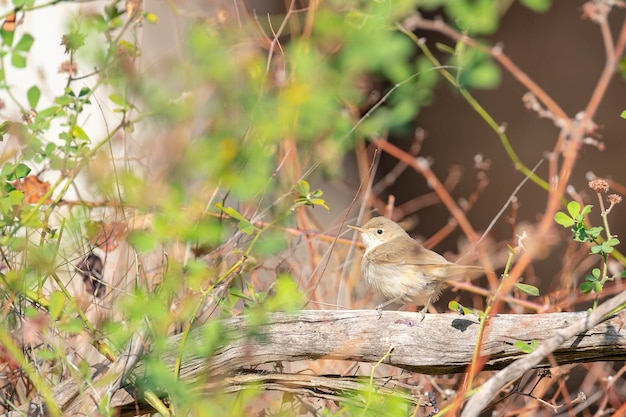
x=406 y=252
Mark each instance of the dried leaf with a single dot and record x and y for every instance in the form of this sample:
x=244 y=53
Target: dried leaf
x=33 y=188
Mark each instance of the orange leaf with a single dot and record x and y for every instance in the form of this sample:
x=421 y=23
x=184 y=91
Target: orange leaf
x=33 y=188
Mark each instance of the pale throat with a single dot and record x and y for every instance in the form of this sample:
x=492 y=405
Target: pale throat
x=370 y=242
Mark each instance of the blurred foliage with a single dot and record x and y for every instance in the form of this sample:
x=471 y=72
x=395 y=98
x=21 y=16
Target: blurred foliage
x=240 y=121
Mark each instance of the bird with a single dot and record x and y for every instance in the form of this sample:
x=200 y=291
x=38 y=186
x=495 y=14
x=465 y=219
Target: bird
x=401 y=268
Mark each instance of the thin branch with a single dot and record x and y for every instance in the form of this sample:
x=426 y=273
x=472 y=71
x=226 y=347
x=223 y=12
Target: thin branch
x=490 y=388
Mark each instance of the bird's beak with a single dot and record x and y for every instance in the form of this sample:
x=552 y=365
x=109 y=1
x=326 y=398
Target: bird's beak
x=358 y=229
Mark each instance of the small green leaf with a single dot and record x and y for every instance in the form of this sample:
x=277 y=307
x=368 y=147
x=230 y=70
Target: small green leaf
x=56 y=302
x=4 y=129
x=586 y=287
x=595 y=231
x=606 y=248
x=7 y=37
x=623 y=115
x=528 y=289
x=20 y=171
x=444 y=48
x=79 y=133
x=24 y=44
x=18 y=61
x=586 y=210
x=573 y=208
x=16 y=197
x=539 y=6
x=244 y=224
x=526 y=347
x=455 y=306
x=302 y=188
x=596 y=249
x=33 y=94
x=150 y=17
x=563 y=219
x=117 y=99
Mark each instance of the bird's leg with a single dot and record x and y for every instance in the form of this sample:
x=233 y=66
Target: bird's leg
x=422 y=312
x=386 y=303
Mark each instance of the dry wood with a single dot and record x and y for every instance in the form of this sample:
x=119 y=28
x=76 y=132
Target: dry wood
x=441 y=344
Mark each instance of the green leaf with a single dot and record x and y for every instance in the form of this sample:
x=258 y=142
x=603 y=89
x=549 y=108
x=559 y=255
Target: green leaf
x=24 y=44
x=20 y=171
x=455 y=306
x=33 y=94
x=302 y=187
x=150 y=17
x=528 y=289
x=623 y=115
x=56 y=302
x=573 y=208
x=119 y=100
x=597 y=287
x=18 y=61
x=244 y=224
x=4 y=129
x=7 y=37
x=563 y=219
x=79 y=133
x=526 y=347
x=84 y=91
x=586 y=210
x=595 y=231
x=539 y=6
x=16 y=197
x=596 y=249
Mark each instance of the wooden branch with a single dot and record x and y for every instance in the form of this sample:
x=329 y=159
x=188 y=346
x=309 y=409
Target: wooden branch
x=441 y=344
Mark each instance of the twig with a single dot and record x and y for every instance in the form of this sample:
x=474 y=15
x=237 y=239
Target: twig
x=490 y=388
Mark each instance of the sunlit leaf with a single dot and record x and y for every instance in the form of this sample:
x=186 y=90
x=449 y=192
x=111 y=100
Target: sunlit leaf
x=527 y=289
x=573 y=208
x=33 y=94
x=56 y=302
x=563 y=219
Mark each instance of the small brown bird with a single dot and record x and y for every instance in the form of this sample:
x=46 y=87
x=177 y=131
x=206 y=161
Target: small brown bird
x=401 y=268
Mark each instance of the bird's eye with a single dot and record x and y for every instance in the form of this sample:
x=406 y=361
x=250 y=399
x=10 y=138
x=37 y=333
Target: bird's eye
x=380 y=231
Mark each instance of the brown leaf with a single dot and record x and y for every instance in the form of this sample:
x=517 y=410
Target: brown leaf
x=33 y=188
